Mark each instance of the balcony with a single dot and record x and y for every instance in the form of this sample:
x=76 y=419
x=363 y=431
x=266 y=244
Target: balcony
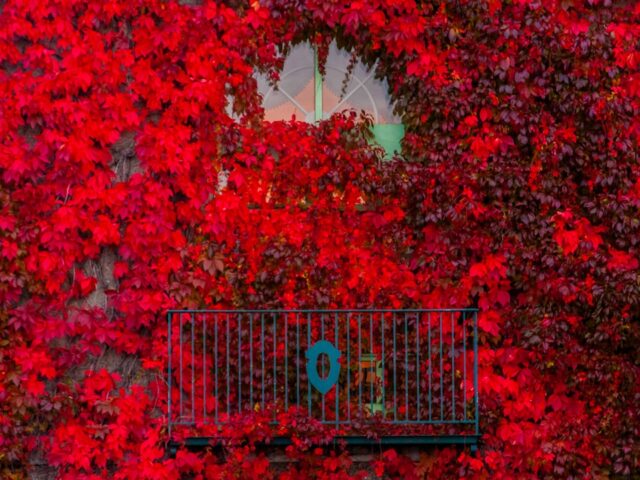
x=386 y=377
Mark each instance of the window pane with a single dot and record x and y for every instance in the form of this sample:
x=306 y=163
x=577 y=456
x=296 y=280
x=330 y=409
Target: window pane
x=363 y=91
x=294 y=93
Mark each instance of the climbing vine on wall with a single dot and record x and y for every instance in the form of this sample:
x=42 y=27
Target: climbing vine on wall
x=138 y=175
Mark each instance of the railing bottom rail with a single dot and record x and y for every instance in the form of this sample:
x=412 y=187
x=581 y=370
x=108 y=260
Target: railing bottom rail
x=196 y=443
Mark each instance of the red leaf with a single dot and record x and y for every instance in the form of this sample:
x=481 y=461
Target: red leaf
x=621 y=260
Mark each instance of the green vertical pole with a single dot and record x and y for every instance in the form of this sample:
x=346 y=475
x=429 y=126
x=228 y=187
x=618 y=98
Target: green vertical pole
x=318 y=87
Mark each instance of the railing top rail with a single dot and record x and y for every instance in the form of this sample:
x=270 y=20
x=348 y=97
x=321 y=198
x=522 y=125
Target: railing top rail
x=320 y=310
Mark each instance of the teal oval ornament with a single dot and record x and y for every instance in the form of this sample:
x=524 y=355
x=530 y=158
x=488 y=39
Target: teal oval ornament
x=323 y=385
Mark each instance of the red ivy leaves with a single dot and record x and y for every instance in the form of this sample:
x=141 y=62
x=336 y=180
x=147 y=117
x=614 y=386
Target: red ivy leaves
x=570 y=232
x=127 y=189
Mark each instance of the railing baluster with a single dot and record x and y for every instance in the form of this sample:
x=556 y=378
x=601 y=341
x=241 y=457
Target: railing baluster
x=215 y=362
x=384 y=408
x=371 y=359
x=239 y=320
x=441 y=374
x=193 y=368
x=297 y=360
x=204 y=368
x=395 y=356
x=453 y=370
x=406 y=366
x=464 y=365
x=228 y=367
x=308 y=347
x=475 y=370
x=286 y=361
x=337 y=344
x=348 y=366
x=322 y=359
x=430 y=362
x=251 y=319
x=275 y=369
x=169 y=375
x=181 y=387
x=360 y=364
x=262 y=355
x=418 y=378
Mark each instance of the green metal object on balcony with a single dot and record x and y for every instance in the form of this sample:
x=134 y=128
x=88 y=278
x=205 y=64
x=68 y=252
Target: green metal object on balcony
x=370 y=372
x=411 y=373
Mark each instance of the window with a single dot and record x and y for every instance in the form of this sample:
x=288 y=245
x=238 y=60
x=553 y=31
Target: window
x=302 y=92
